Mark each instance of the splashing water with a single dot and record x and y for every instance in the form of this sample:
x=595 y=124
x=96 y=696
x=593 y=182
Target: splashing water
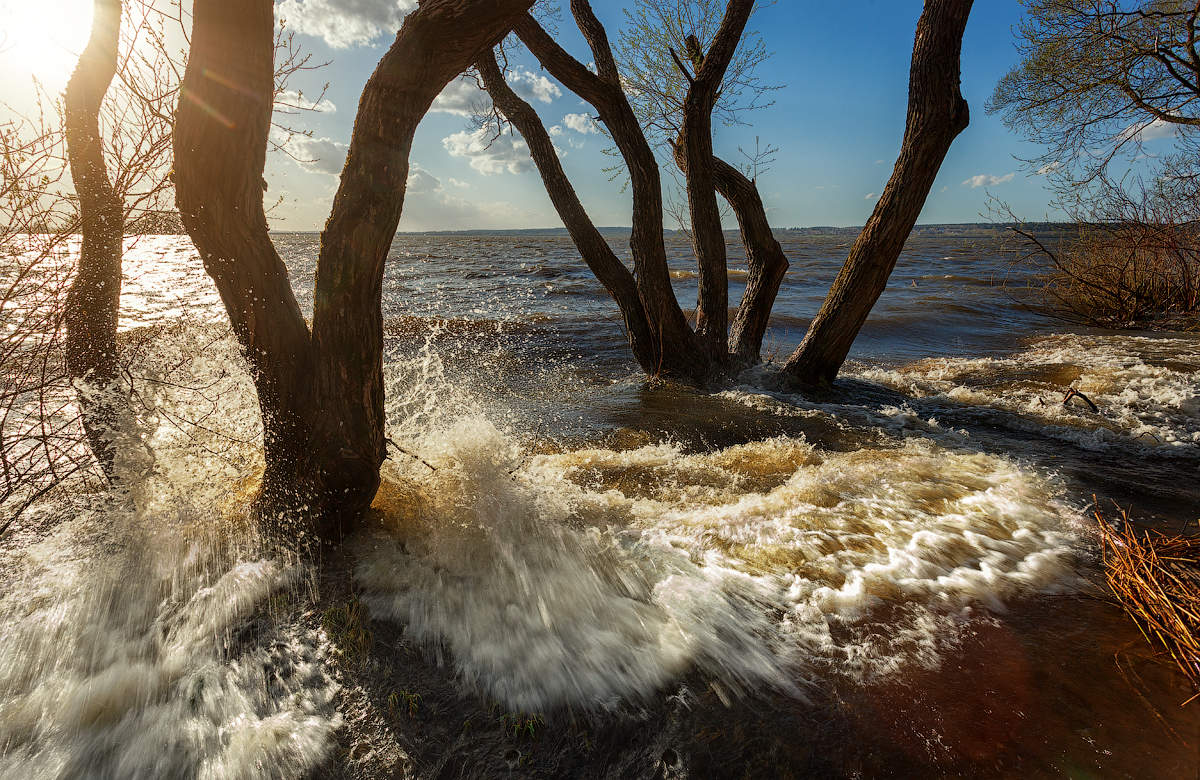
x=542 y=545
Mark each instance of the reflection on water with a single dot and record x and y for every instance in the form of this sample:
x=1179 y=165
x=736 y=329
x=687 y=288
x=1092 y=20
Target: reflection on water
x=900 y=567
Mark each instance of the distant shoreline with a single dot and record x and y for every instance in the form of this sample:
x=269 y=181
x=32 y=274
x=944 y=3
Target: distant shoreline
x=940 y=229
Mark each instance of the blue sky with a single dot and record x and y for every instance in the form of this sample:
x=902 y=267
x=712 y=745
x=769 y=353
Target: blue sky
x=838 y=119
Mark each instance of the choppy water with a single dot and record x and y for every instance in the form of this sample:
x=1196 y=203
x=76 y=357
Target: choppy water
x=913 y=544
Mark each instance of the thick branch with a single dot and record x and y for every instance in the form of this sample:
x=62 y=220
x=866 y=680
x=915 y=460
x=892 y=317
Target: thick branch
x=437 y=42
x=679 y=350
x=221 y=128
x=695 y=141
x=767 y=262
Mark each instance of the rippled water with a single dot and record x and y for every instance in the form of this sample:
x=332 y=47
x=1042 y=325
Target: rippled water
x=911 y=549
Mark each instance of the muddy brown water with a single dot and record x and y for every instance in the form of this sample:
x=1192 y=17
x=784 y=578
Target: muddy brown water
x=587 y=575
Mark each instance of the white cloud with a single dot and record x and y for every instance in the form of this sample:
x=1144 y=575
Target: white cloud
x=464 y=97
x=490 y=154
x=319 y=155
x=456 y=183
x=421 y=181
x=870 y=196
x=461 y=96
x=1149 y=131
x=1048 y=167
x=533 y=86
x=428 y=205
x=290 y=101
x=580 y=123
x=987 y=180
x=555 y=130
x=344 y=23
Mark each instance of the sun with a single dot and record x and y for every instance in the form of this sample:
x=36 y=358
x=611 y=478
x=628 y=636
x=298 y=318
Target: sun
x=43 y=38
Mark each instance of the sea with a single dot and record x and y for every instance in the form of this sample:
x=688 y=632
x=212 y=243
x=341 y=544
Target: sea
x=897 y=576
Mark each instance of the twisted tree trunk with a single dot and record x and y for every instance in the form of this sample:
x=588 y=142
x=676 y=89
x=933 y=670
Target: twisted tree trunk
x=937 y=113
x=765 y=258
x=678 y=352
x=321 y=396
x=95 y=296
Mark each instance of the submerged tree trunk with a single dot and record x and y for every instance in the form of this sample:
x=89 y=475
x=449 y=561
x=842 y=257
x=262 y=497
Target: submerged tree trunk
x=765 y=259
x=696 y=147
x=321 y=395
x=95 y=296
x=595 y=251
x=937 y=113
x=679 y=354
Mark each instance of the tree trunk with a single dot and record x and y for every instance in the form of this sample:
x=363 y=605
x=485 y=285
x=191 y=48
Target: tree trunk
x=937 y=113
x=221 y=128
x=95 y=296
x=321 y=397
x=765 y=258
x=595 y=251
x=437 y=42
x=695 y=145
x=679 y=353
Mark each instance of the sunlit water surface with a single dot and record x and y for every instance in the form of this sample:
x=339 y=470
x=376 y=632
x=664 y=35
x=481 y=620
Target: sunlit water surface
x=914 y=544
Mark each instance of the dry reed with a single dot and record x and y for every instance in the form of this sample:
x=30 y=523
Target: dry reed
x=1156 y=578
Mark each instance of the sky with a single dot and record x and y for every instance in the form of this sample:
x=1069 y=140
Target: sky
x=837 y=118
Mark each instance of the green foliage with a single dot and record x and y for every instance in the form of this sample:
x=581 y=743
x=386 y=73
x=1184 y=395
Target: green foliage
x=520 y=725
x=346 y=626
x=404 y=701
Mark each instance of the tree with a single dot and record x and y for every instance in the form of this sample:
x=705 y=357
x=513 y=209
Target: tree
x=95 y=296
x=1094 y=77
x=681 y=113
x=320 y=391
x=1095 y=82
x=937 y=113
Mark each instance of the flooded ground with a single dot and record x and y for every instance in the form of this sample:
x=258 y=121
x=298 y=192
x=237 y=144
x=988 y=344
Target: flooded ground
x=583 y=574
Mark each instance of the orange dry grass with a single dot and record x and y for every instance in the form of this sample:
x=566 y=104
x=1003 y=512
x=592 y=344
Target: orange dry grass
x=1156 y=578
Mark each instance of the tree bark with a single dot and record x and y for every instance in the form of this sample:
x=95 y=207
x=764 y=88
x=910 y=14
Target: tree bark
x=221 y=128
x=695 y=144
x=95 y=296
x=765 y=259
x=937 y=113
x=594 y=250
x=679 y=353
x=321 y=396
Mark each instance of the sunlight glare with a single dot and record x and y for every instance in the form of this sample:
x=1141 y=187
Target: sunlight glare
x=43 y=38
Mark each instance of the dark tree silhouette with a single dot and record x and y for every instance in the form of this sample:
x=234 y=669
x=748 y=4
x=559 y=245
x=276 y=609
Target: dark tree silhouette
x=660 y=336
x=94 y=299
x=321 y=393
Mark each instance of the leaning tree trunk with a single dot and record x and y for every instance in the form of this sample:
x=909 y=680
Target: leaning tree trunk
x=596 y=252
x=95 y=296
x=937 y=113
x=679 y=353
x=321 y=396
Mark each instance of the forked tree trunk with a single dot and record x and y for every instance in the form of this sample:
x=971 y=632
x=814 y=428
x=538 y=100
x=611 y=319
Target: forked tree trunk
x=696 y=147
x=95 y=296
x=596 y=252
x=679 y=353
x=937 y=113
x=321 y=396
